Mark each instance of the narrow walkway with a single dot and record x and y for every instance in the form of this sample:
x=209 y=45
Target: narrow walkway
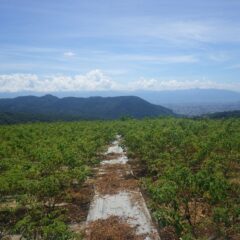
x=117 y=194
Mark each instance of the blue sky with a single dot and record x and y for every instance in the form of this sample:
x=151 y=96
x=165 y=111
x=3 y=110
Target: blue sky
x=56 y=45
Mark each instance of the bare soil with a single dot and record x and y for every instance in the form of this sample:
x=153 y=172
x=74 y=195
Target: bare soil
x=111 y=184
x=112 y=228
x=168 y=233
x=115 y=178
x=138 y=168
x=77 y=209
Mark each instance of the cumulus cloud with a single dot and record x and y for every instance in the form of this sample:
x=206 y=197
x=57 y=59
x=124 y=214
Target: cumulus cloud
x=153 y=84
x=146 y=84
x=93 y=80
x=17 y=82
x=97 y=80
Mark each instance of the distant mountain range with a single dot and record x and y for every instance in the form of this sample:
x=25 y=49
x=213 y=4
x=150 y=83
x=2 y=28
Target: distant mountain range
x=192 y=102
x=48 y=107
x=190 y=96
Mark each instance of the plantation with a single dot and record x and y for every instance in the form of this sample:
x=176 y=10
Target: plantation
x=42 y=166
x=191 y=174
x=189 y=171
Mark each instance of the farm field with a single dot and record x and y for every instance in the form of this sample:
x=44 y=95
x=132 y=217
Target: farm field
x=187 y=170
x=190 y=172
x=43 y=168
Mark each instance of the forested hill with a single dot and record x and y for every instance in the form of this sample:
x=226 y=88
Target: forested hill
x=31 y=108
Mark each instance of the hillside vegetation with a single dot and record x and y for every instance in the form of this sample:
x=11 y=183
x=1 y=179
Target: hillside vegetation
x=50 y=108
x=189 y=171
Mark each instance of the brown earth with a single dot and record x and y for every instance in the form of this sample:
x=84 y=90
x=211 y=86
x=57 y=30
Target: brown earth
x=112 y=228
x=79 y=202
x=115 y=178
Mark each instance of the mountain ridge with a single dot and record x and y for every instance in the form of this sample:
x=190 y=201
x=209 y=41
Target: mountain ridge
x=83 y=108
x=196 y=95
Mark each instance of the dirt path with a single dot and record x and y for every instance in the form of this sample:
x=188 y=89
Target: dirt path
x=118 y=209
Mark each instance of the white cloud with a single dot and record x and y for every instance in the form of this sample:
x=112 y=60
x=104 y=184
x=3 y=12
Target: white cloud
x=69 y=54
x=153 y=84
x=93 y=80
x=17 y=82
x=96 y=80
x=146 y=84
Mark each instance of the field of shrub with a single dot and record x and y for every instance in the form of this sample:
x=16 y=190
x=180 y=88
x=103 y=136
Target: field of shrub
x=190 y=174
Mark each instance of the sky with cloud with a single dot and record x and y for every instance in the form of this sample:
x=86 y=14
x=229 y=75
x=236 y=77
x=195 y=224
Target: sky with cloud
x=73 y=45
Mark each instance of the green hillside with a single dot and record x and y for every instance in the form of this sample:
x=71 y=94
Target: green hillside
x=50 y=108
